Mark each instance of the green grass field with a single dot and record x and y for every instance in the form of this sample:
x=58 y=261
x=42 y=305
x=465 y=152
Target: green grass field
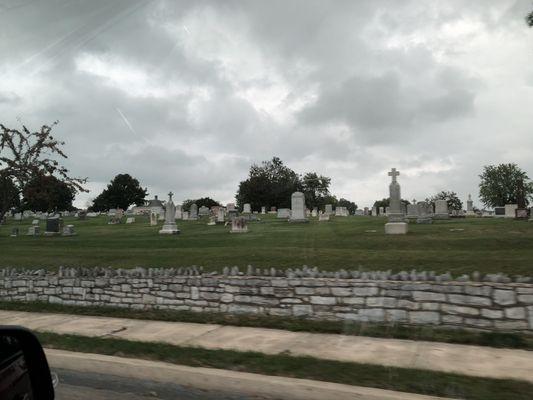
x=486 y=245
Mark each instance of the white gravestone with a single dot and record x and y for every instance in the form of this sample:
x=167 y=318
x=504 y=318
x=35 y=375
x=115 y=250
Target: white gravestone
x=153 y=219
x=328 y=209
x=263 y=210
x=298 y=208
x=396 y=224
x=246 y=208
x=130 y=220
x=193 y=212
x=510 y=210
x=424 y=213
x=179 y=212
x=412 y=211
x=441 y=209
x=284 y=213
x=220 y=215
x=170 y=227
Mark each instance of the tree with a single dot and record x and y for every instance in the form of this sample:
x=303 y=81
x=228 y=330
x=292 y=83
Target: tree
x=47 y=193
x=385 y=203
x=25 y=155
x=122 y=192
x=269 y=184
x=454 y=203
x=350 y=205
x=9 y=195
x=529 y=19
x=316 y=189
x=204 y=201
x=501 y=184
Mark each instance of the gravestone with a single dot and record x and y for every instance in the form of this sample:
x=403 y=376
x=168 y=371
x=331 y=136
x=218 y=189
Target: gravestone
x=284 y=213
x=381 y=211
x=263 y=210
x=220 y=215
x=441 y=209
x=232 y=214
x=396 y=224
x=328 y=209
x=212 y=220
x=359 y=213
x=499 y=212
x=314 y=212
x=130 y=220
x=470 y=206
x=510 y=210
x=17 y=216
x=520 y=210
x=185 y=215
x=341 y=212
x=246 y=208
x=366 y=211
x=424 y=213
x=374 y=211
x=203 y=211
x=68 y=231
x=298 y=208
x=230 y=206
x=170 y=227
x=153 y=219
x=82 y=215
x=273 y=209
x=53 y=226
x=179 y=212
x=239 y=225
x=322 y=217
x=193 y=212
x=412 y=211
x=14 y=232
x=35 y=222
x=34 y=230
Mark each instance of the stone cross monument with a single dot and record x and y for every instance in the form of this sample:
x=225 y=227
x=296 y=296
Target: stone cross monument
x=396 y=224
x=170 y=227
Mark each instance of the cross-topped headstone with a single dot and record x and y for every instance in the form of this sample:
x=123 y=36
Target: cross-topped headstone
x=394 y=173
x=170 y=194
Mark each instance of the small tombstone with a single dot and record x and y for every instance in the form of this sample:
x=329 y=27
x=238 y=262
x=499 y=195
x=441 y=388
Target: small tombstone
x=34 y=230
x=329 y=209
x=424 y=213
x=314 y=212
x=82 y=215
x=153 y=219
x=239 y=225
x=323 y=217
x=203 y=211
x=220 y=215
x=14 y=232
x=247 y=208
x=35 y=222
x=130 y=220
x=284 y=213
x=263 y=210
x=68 y=230
x=232 y=214
x=441 y=209
x=185 y=215
x=212 y=220
x=499 y=212
x=193 y=212
x=510 y=210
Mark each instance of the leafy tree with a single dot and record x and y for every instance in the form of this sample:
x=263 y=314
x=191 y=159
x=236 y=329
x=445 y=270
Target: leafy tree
x=385 y=202
x=269 y=184
x=350 y=205
x=122 y=192
x=9 y=195
x=47 y=193
x=454 y=203
x=204 y=201
x=501 y=185
x=529 y=19
x=316 y=189
x=25 y=155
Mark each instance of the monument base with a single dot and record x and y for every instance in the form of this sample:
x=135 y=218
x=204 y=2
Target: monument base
x=169 y=229
x=239 y=231
x=396 y=228
x=424 y=221
x=52 y=233
x=471 y=214
x=441 y=216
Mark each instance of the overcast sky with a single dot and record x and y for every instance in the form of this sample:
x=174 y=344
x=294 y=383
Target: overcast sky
x=186 y=95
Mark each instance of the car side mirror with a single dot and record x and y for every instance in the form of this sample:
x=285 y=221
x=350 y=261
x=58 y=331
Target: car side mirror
x=24 y=371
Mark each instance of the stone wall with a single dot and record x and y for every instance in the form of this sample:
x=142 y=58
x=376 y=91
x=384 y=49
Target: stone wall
x=474 y=305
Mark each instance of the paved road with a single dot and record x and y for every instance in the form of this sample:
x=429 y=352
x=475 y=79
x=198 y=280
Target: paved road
x=93 y=386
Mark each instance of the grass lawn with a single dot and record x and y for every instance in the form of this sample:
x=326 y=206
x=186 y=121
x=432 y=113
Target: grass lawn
x=400 y=379
x=487 y=245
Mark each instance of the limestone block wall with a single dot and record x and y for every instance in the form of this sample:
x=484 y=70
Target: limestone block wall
x=494 y=306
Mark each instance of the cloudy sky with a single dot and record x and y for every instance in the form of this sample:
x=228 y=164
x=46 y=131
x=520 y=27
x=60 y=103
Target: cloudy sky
x=186 y=95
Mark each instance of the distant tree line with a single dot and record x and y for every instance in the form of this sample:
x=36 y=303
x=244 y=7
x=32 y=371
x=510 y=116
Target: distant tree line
x=272 y=183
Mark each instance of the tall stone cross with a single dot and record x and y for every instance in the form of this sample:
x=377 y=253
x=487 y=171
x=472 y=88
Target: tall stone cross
x=394 y=174
x=170 y=194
